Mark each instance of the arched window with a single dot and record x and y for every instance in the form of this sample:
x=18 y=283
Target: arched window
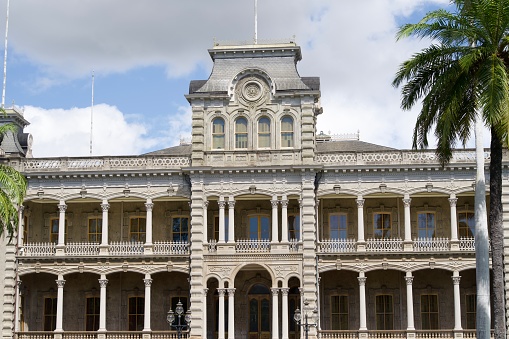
x=264 y=133
x=287 y=132
x=241 y=133
x=218 y=133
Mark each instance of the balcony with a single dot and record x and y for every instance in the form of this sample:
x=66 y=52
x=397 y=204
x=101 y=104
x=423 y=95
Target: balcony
x=119 y=248
x=102 y=335
x=399 y=334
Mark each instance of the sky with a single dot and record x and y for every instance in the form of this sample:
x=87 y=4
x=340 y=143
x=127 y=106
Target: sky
x=143 y=54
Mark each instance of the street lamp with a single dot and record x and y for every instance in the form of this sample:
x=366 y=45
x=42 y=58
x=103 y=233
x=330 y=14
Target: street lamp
x=297 y=316
x=177 y=315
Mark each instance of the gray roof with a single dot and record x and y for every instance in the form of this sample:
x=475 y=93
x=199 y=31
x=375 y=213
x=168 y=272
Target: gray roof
x=324 y=147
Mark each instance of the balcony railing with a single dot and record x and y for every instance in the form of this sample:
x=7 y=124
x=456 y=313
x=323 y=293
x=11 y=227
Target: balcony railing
x=338 y=245
x=82 y=249
x=467 y=244
x=36 y=249
x=384 y=245
x=243 y=246
x=107 y=335
x=126 y=248
x=171 y=247
x=398 y=334
x=431 y=244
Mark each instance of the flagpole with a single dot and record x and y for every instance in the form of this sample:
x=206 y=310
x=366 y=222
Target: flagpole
x=92 y=114
x=256 y=23
x=5 y=54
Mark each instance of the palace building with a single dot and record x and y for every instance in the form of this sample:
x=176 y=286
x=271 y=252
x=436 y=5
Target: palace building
x=257 y=217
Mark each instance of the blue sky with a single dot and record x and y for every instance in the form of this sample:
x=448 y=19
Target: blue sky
x=144 y=54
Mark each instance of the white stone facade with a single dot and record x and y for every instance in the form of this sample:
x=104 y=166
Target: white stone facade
x=252 y=221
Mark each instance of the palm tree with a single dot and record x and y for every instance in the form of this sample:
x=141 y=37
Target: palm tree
x=464 y=73
x=13 y=186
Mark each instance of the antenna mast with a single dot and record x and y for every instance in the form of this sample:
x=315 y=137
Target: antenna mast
x=256 y=23
x=5 y=54
x=92 y=114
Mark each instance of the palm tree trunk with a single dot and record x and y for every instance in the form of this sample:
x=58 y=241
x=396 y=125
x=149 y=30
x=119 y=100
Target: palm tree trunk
x=482 y=265
x=497 y=236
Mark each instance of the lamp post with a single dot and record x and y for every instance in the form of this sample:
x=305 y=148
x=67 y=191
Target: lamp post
x=177 y=315
x=297 y=316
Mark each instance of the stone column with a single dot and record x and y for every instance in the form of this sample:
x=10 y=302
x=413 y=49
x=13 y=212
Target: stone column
x=409 y=302
x=148 y=282
x=204 y=317
x=284 y=311
x=102 y=307
x=457 y=300
x=61 y=224
x=231 y=313
x=454 y=223
x=21 y=226
x=18 y=305
x=275 y=236
x=300 y=219
x=284 y=219
x=361 y=243
x=205 y=222
x=362 y=301
x=231 y=218
x=275 y=313
x=221 y=204
x=407 y=243
x=103 y=248
x=221 y=292
x=60 y=303
x=148 y=235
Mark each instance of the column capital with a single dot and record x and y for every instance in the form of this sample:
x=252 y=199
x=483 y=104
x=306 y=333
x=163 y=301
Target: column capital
x=274 y=203
x=105 y=207
x=407 y=201
x=275 y=291
x=221 y=292
x=360 y=202
x=60 y=283
x=456 y=280
x=453 y=201
x=221 y=203
x=362 y=281
x=409 y=280
x=21 y=208
x=206 y=204
x=149 y=206
x=62 y=207
x=284 y=203
x=103 y=282
x=284 y=291
x=231 y=203
x=231 y=291
x=205 y=291
x=147 y=282
x=301 y=291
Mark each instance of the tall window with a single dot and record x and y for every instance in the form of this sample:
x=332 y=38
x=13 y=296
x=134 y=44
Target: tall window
x=466 y=224
x=136 y=313
x=338 y=226
x=339 y=312
x=216 y=228
x=471 y=310
x=180 y=229
x=218 y=133
x=429 y=311
x=259 y=227
x=92 y=314
x=95 y=226
x=384 y=312
x=138 y=229
x=54 y=229
x=50 y=314
x=294 y=227
x=241 y=133
x=264 y=133
x=426 y=225
x=287 y=132
x=382 y=225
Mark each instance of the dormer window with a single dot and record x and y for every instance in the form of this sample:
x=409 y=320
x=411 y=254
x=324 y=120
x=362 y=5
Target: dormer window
x=241 y=133
x=287 y=132
x=264 y=133
x=218 y=133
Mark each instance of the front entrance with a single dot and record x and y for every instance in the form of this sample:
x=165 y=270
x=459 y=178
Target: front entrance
x=259 y=312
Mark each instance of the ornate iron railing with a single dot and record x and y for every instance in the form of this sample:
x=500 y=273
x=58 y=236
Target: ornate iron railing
x=42 y=249
x=243 y=246
x=431 y=244
x=171 y=247
x=384 y=245
x=82 y=248
x=338 y=245
x=126 y=248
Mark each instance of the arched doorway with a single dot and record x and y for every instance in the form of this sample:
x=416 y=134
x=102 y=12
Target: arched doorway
x=259 y=312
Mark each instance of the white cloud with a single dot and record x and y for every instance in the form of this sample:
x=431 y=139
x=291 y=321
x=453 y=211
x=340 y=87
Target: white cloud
x=59 y=132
